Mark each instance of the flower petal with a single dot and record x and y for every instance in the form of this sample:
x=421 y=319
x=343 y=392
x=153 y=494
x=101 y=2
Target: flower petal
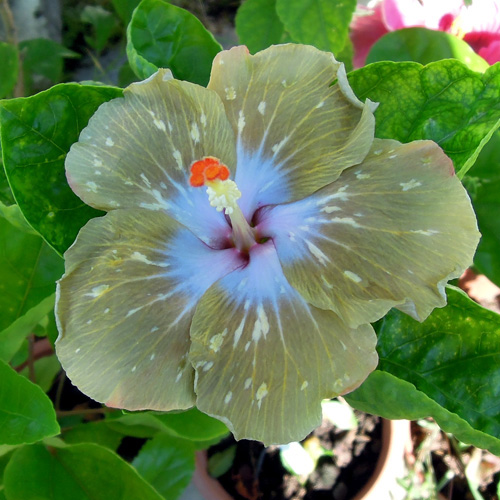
x=295 y=131
x=265 y=359
x=125 y=304
x=389 y=232
x=137 y=151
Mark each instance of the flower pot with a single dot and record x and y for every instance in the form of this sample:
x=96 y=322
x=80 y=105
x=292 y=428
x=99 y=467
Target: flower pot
x=390 y=466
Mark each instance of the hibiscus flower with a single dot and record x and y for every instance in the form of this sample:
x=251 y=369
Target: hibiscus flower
x=478 y=24
x=254 y=229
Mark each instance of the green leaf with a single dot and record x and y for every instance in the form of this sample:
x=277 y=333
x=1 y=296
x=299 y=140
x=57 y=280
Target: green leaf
x=484 y=187
x=43 y=57
x=103 y=25
x=390 y=397
x=424 y=46
x=94 y=432
x=453 y=358
x=13 y=215
x=36 y=134
x=46 y=370
x=26 y=413
x=322 y=23
x=12 y=337
x=77 y=472
x=125 y=8
x=443 y=101
x=258 y=25
x=193 y=425
x=10 y=70
x=167 y=463
x=161 y=35
x=29 y=269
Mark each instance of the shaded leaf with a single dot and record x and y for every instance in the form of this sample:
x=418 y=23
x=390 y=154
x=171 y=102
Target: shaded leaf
x=36 y=135
x=258 y=25
x=484 y=187
x=424 y=46
x=12 y=337
x=443 y=101
x=161 y=35
x=10 y=70
x=29 y=270
x=167 y=463
x=46 y=370
x=453 y=358
x=94 y=432
x=26 y=413
x=103 y=25
x=43 y=57
x=322 y=23
x=125 y=8
x=80 y=472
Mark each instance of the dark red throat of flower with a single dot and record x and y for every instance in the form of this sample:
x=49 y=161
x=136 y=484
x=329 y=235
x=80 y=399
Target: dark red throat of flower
x=207 y=169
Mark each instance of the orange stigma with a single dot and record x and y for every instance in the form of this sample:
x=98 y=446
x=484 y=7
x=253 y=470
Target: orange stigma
x=208 y=168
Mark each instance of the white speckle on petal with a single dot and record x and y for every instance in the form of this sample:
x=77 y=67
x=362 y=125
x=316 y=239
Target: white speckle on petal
x=97 y=163
x=320 y=105
x=261 y=108
x=248 y=383
x=427 y=232
x=230 y=93
x=238 y=332
x=241 y=121
x=97 y=291
x=154 y=329
x=247 y=346
x=316 y=252
x=353 y=276
x=208 y=366
x=228 y=397
x=360 y=175
x=145 y=180
x=261 y=325
x=262 y=392
x=392 y=157
x=330 y=209
x=77 y=350
x=410 y=185
x=152 y=356
x=106 y=311
x=203 y=119
x=133 y=369
x=195 y=133
x=92 y=186
x=178 y=158
x=217 y=339
x=345 y=220
x=179 y=376
x=279 y=145
x=160 y=125
x=109 y=142
x=304 y=385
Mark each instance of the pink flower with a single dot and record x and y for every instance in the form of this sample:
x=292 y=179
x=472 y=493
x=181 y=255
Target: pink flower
x=477 y=24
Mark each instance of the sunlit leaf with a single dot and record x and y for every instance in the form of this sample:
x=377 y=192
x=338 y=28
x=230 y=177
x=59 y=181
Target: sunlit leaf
x=26 y=413
x=453 y=361
x=80 y=472
x=322 y=23
x=443 y=101
x=36 y=134
x=167 y=463
x=258 y=25
x=424 y=46
x=161 y=35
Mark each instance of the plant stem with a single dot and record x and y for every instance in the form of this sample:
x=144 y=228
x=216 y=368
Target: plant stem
x=86 y=411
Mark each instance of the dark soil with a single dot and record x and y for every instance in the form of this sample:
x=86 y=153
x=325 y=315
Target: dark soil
x=258 y=474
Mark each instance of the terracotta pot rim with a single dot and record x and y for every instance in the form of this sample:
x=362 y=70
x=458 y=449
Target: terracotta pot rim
x=395 y=437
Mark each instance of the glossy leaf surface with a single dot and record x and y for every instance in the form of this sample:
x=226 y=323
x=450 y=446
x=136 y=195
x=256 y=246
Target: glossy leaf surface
x=26 y=413
x=453 y=358
x=322 y=23
x=167 y=463
x=80 y=472
x=36 y=135
x=424 y=46
x=161 y=35
x=443 y=101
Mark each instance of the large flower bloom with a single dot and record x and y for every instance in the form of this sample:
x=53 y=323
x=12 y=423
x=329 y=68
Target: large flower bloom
x=253 y=302
x=478 y=24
